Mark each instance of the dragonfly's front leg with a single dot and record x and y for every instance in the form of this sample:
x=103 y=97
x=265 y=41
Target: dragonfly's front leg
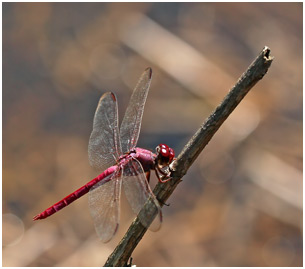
x=164 y=177
x=160 y=178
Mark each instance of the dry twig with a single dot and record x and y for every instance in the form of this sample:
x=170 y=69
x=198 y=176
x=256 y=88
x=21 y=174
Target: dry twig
x=190 y=152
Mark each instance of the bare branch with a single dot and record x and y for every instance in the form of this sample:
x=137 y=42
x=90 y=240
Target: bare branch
x=190 y=152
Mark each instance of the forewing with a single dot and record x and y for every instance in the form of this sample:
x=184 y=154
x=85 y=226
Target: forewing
x=104 y=143
x=137 y=192
x=104 y=204
x=131 y=124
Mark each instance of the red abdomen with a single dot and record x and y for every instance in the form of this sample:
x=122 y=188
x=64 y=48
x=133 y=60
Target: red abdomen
x=74 y=195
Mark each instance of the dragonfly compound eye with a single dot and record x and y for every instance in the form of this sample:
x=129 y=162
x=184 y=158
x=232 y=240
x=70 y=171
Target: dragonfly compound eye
x=171 y=154
x=165 y=154
x=163 y=150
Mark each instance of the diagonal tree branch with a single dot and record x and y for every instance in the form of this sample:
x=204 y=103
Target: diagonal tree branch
x=190 y=152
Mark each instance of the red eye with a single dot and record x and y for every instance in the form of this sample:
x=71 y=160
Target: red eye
x=171 y=154
x=166 y=153
x=163 y=150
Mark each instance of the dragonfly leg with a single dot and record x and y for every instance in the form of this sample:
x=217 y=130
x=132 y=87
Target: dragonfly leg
x=147 y=174
x=164 y=177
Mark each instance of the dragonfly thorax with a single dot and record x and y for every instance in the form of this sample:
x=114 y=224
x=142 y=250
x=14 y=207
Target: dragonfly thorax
x=127 y=155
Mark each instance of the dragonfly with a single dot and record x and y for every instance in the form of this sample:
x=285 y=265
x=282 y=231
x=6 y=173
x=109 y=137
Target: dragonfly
x=113 y=152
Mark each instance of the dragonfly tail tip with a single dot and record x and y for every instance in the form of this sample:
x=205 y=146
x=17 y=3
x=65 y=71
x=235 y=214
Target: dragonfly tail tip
x=37 y=217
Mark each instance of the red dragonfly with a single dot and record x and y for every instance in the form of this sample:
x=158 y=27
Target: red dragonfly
x=114 y=153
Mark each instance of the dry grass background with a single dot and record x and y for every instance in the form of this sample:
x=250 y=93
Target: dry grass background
x=241 y=202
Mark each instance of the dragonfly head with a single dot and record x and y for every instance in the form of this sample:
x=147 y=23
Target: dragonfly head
x=165 y=155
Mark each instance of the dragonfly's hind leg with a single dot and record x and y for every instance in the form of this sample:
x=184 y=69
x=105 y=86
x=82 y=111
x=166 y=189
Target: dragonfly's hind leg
x=148 y=178
x=147 y=174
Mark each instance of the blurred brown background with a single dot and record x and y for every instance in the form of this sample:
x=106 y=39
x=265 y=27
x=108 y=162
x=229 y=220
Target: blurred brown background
x=240 y=204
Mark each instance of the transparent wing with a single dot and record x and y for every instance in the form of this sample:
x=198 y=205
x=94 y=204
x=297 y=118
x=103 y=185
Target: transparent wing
x=104 y=143
x=137 y=192
x=104 y=204
x=131 y=124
